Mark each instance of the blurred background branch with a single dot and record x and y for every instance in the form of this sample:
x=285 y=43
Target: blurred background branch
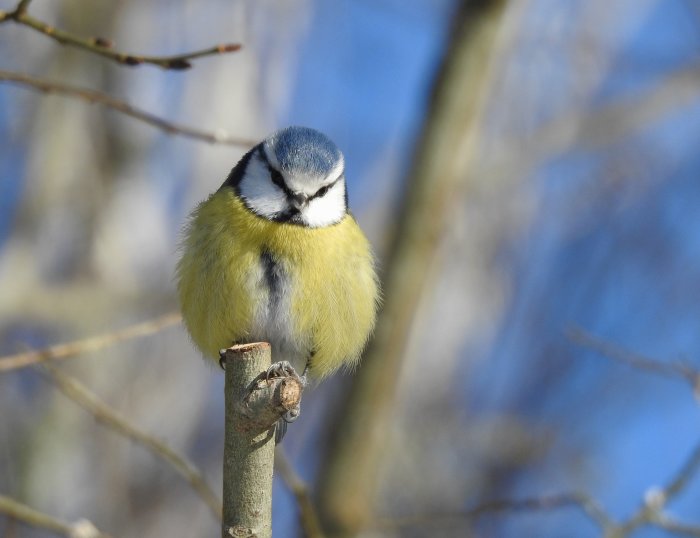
x=119 y=424
x=584 y=502
x=442 y=166
x=29 y=516
x=674 y=369
x=85 y=345
x=652 y=511
x=103 y=99
x=103 y=47
x=308 y=515
x=602 y=126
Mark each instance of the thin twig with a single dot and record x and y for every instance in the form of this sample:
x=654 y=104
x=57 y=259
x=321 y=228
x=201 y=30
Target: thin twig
x=310 y=521
x=651 y=511
x=22 y=6
x=30 y=516
x=635 y=360
x=684 y=475
x=93 y=96
x=93 y=343
x=551 y=502
x=676 y=527
x=103 y=47
x=104 y=414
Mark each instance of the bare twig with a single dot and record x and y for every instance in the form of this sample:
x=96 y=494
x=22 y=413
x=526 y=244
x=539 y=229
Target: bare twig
x=310 y=521
x=100 y=98
x=94 y=343
x=103 y=47
x=22 y=6
x=676 y=527
x=684 y=475
x=599 y=127
x=611 y=351
x=104 y=414
x=551 y=502
x=649 y=515
x=651 y=511
x=21 y=512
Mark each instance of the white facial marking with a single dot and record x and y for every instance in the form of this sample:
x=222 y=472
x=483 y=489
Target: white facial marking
x=326 y=210
x=258 y=191
x=270 y=201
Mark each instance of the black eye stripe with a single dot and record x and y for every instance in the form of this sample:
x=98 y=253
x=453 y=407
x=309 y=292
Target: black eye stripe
x=278 y=179
x=323 y=190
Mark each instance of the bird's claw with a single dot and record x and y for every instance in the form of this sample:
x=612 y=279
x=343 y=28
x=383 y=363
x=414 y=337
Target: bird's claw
x=281 y=369
x=291 y=415
x=278 y=370
x=281 y=426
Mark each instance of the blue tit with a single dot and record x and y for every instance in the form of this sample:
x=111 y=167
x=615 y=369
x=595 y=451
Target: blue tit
x=274 y=255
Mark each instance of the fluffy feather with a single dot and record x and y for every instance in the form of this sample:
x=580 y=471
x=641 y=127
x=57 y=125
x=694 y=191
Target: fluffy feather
x=326 y=297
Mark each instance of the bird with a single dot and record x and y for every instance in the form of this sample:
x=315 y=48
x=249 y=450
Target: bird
x=275 y=255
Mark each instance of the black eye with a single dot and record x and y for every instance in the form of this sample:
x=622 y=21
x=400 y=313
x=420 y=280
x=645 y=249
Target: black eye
x=322 y=190
x=277 y=178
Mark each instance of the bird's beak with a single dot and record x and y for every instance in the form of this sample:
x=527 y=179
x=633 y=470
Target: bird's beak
x=299 y=200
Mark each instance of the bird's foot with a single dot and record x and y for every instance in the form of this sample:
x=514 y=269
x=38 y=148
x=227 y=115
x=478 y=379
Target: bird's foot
x=281 y=426
x=281 y=369
x=285 y=369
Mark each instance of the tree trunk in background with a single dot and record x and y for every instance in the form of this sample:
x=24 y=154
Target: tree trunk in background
x=348 y=480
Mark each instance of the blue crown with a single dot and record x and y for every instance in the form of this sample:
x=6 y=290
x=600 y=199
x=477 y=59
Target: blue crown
x=304 y=150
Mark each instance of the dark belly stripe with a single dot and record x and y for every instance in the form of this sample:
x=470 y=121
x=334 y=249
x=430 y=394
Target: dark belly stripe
x=274 y=276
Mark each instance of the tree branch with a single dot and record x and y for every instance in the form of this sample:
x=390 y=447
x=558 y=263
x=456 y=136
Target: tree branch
x=106 y=100
x=94 y=343
x=549 y=502
x=651 y=512
x=676 y=527
x=21 y=512
x=253 y=405
x=442 y=167
x=104 y=414
x=612 y=351
x=103 y=47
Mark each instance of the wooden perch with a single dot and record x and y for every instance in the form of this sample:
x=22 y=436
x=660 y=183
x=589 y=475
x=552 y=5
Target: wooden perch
x=253 y=406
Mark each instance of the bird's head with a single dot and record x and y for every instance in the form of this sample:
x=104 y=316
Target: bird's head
x=295 y=175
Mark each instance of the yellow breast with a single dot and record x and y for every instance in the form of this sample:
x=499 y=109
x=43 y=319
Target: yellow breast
x=330 y=283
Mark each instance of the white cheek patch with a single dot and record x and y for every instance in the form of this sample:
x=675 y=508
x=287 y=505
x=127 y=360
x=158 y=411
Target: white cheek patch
x=259 y=193
x=326 y=210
